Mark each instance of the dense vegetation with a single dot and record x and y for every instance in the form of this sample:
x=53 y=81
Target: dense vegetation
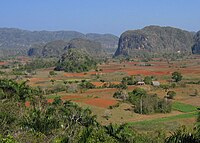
x=147 y=104
x=75 y=61
x=59 y=121
x=52 y=122
x=31 y=66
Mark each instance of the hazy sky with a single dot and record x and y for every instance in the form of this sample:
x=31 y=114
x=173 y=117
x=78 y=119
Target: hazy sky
x=100 y=16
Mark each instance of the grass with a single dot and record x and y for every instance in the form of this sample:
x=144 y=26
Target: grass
x=167 y=123
x=165 y=119
x=52 y=96
x=182 y=107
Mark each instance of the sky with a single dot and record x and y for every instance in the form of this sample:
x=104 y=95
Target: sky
x=99 y=16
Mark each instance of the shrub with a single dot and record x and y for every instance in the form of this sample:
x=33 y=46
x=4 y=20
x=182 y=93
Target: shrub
x=121 y=86
x=177 y=76
x=120 y=95
x=171 y=94
x=129 y=80
x=148 y=80
x=173 y=85
x=52 y=73
x=165 y=87
x=86 y=85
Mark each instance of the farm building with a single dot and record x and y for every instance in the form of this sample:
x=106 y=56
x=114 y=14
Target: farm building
x=155 y=83
x=140 y=83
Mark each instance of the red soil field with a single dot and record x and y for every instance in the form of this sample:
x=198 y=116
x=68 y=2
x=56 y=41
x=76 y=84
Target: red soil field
x=68 y=97
x=190 y=71
x=101 y=83
x=145 y=72
x=99 y=102
x=101 y=90
x=79 y=74
x=35 y=80
x=3 y=63
x=97 y=83
x=74 y=74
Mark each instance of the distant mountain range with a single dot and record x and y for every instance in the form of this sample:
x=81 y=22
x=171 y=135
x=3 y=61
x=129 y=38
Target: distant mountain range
x=59 y=47
x=22 y=40
x=150 y=39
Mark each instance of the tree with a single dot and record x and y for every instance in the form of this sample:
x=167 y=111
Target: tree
x=165 y=87
x=11 y=89
x=52 y=81
x=171 y=94
x=121 y=86
x=120 y=95
x=182 y=135
x=52 y=73
x=146 y=103
x=139 y=92
x=129 y=80
x=148 y=80
x=177 y=76
x=86 y=85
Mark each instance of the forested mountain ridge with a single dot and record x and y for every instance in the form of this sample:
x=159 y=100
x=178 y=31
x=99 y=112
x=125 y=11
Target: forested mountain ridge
x=22 y=40
x=13 y=38
x=57 y=48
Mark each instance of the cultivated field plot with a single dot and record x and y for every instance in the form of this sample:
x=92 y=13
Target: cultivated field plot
x=100 y=100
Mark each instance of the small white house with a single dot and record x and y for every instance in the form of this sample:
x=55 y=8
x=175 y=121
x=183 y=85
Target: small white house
x=140 y=83
x=155 y=83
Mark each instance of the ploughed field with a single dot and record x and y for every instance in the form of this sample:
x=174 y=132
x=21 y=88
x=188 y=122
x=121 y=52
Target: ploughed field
x=100 y=100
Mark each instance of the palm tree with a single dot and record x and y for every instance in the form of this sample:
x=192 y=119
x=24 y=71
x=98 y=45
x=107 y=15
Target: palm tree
x=140 y=93
x=115 y=131
x=184 y=136
x=14 y=90
x=6 y=87
x=179 y=137
x=22 y=90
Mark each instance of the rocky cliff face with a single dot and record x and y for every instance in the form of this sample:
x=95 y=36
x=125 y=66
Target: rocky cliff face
x=196 y=46
x=154 y=39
